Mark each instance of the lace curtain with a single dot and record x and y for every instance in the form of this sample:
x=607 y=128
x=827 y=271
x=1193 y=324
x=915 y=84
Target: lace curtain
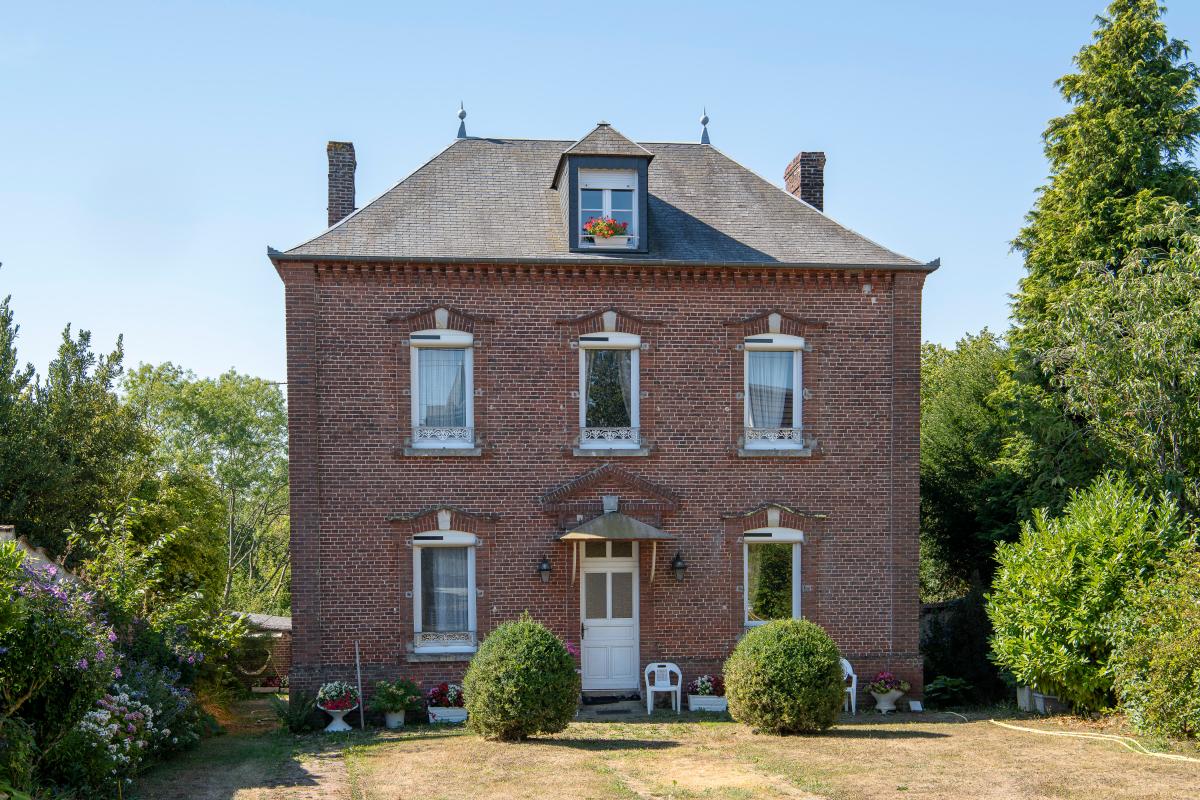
x=770 y=383
x=444 y=589
x=441 y=382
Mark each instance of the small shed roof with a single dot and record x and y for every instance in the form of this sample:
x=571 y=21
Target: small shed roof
x=615 y=526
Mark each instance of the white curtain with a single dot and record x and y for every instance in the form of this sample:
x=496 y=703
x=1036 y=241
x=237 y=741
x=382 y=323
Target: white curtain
x=770 y=383
x=441 y=381
x=444 y=589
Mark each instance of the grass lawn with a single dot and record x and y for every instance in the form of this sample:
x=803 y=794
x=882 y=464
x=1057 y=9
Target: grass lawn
x=929 y=756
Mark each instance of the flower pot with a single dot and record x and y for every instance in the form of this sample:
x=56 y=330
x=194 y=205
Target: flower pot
x=393 y=719
x=446 y=714
x=611 y=241
x=887 y=702
x=338 y=725
x=707 y=702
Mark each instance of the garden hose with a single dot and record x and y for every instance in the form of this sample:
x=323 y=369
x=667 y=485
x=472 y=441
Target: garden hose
x=1128 y=742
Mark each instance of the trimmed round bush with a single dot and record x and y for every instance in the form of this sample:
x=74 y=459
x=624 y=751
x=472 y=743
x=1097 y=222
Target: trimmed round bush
x=522 y=682
x=785 y=677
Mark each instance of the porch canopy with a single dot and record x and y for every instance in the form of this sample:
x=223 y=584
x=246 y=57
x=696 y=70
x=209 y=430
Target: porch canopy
x=613 y=526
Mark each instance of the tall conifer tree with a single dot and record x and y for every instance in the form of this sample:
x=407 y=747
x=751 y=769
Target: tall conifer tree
x=1119 y=159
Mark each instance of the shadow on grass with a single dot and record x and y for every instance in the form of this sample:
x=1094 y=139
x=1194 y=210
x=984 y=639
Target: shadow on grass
x=609 y=744
x=876 y=733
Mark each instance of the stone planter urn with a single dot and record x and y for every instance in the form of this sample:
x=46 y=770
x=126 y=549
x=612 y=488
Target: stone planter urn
x=446 y=714
x=338 y=725
x=707 y=702
x=887 y=702
x=393 y=719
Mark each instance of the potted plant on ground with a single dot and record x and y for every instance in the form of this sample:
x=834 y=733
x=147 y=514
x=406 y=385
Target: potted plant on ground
x=337 y=698
x=887 y=689
x=707 y=693
x=607 y=232
x=445 y=703
x=393 y=698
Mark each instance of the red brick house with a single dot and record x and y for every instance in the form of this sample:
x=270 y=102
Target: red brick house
x=649 y=442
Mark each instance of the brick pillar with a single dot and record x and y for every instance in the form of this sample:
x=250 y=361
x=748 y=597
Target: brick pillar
x=805 y=178
x=303 y=472
x=905 y=656
x=341 y=180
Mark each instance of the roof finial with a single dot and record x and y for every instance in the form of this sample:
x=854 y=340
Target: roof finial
x=462 y=121
x=704 y=130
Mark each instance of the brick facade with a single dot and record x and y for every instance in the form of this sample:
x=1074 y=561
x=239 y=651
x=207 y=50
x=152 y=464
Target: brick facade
x=357 y=498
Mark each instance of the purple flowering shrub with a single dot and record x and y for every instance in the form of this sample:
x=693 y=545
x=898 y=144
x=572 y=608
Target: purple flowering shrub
x=56 y=658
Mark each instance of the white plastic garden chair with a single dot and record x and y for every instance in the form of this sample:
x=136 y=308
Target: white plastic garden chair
x=850 y=703
x=659 y=679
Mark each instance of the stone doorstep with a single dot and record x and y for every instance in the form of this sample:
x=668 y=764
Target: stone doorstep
x=612 y=711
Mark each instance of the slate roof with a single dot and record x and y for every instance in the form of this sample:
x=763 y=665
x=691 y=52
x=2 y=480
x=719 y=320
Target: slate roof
x=704 y=208
x=605 y=140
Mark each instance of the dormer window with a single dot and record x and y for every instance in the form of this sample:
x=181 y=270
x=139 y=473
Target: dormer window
x=608 y=194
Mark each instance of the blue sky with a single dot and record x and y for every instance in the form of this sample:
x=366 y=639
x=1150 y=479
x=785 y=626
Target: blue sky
x=149 y=153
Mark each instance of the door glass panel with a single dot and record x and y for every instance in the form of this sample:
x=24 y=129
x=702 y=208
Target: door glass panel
x=622 y=595
x=769 y=567
x=622 y=549
x=595 y=595
x=593 y=550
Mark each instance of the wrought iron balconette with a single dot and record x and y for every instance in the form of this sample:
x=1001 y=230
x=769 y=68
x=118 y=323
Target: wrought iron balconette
x=610 y=435
x=454 y=435
x=782 y=435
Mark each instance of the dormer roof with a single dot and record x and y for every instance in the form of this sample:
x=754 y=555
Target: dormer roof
x=605 y=140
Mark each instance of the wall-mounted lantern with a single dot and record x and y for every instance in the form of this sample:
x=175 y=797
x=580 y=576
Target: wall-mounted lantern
x=679 y=566
x=543 y=570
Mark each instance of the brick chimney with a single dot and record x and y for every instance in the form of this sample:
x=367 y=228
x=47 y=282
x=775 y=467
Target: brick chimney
x=341 y=180
x=805 y=178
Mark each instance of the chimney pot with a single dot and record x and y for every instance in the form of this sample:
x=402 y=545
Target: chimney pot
x=341 y=180
x=805 y=178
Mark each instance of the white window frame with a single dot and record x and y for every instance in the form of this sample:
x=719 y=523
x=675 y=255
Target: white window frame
x=446 y=340
x=606 y=180
x=612 y=341
x=431 y=539
x=773 y=535
x=775 y=438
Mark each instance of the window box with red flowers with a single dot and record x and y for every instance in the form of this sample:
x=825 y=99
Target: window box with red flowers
x=444 y=704
x=607 y=232
x=707 y=693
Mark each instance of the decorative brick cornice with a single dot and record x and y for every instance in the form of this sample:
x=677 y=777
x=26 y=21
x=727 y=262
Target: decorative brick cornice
x=617 y=320
x=762 y=322
x=430 y=317
x=559 y=496
x=770 y=515
x=443 y=517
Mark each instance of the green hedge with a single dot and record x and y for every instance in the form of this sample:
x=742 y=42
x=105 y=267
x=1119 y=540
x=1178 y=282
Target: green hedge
x=785 y=677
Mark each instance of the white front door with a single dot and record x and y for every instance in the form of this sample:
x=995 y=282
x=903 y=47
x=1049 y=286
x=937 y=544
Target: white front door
x=608 y=603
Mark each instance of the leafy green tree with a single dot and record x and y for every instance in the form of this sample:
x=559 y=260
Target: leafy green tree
x=67 y=442
x=1129 y=360
x=234 y=429
x=1118 y=160
x=1063 y=587
x=966 y=498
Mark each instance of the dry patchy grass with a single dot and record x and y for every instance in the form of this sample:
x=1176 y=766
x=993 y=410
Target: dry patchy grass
x=933 y=757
